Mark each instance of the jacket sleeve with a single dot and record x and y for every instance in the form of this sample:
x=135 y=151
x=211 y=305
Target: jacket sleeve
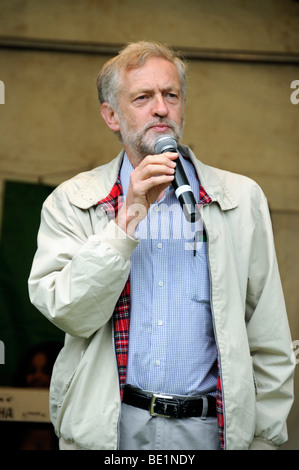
x=269 y=338
x=76 y=279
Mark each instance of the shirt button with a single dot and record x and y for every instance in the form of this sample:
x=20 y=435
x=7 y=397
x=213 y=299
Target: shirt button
x=160 y=283
x=160 y=322
x=158 y=363
x=159 y=245
x=157 y=208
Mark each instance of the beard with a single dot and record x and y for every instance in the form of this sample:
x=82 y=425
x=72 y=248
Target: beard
x=142 y=142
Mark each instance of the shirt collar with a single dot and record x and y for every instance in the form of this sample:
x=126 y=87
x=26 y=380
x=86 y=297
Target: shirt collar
x=125 y=171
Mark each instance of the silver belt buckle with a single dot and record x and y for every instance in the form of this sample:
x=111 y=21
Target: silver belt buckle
x=153 y=404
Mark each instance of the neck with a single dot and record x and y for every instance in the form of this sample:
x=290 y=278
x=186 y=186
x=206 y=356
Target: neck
x=134 y=157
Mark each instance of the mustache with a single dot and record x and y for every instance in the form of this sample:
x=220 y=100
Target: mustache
x=156 y=122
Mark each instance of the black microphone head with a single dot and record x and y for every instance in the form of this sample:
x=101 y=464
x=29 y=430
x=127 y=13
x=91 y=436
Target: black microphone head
x=165 y=143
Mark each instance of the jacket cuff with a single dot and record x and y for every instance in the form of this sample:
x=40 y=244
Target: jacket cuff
x=119 y=240
x=259 y=443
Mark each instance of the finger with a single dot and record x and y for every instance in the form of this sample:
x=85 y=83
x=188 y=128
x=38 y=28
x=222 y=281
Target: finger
x=160 y=181
x=167 y=159
x=153 y=169
x=154 y=166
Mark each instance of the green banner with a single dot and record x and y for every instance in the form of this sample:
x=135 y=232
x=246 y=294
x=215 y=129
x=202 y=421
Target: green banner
x=22 y=326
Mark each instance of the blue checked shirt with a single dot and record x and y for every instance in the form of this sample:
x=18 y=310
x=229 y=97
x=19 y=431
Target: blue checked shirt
x=171 y=340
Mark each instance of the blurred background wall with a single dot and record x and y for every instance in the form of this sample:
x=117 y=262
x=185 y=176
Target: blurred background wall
x=242 y=114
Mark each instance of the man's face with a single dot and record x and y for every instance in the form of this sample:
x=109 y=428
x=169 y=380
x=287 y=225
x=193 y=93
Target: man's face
x=150 y=104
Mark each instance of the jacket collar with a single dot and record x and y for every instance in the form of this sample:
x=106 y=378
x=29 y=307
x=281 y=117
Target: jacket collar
x=211 y=182
x=98 y=183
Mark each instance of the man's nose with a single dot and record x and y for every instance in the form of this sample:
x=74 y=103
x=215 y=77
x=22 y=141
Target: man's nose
x=160 y=107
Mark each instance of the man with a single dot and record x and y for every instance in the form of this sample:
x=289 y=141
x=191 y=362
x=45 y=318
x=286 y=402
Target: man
x=176 y=332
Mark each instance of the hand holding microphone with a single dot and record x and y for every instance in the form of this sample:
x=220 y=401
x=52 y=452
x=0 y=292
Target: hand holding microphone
x=180 y=183
x=149 y=178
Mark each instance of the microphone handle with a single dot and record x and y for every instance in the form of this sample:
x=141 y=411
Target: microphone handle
x=184 y=192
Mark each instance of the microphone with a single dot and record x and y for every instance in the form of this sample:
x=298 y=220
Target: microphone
x=183 y=191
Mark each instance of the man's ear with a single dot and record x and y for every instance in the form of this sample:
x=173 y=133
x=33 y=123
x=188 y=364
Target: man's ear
x=110 y=116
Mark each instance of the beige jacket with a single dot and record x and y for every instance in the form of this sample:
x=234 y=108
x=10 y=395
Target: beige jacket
x=81 y=266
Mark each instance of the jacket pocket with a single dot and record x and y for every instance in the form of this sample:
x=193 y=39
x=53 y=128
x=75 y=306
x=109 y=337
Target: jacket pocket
x=63 y=373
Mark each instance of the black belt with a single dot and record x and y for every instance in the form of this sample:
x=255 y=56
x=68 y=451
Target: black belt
x=169 y=406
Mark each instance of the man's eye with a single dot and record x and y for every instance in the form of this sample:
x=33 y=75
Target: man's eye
x=141 y=98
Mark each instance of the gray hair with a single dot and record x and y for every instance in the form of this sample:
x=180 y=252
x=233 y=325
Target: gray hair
x=135 y=55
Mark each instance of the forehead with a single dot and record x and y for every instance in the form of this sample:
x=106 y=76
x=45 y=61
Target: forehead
x=156 y=72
